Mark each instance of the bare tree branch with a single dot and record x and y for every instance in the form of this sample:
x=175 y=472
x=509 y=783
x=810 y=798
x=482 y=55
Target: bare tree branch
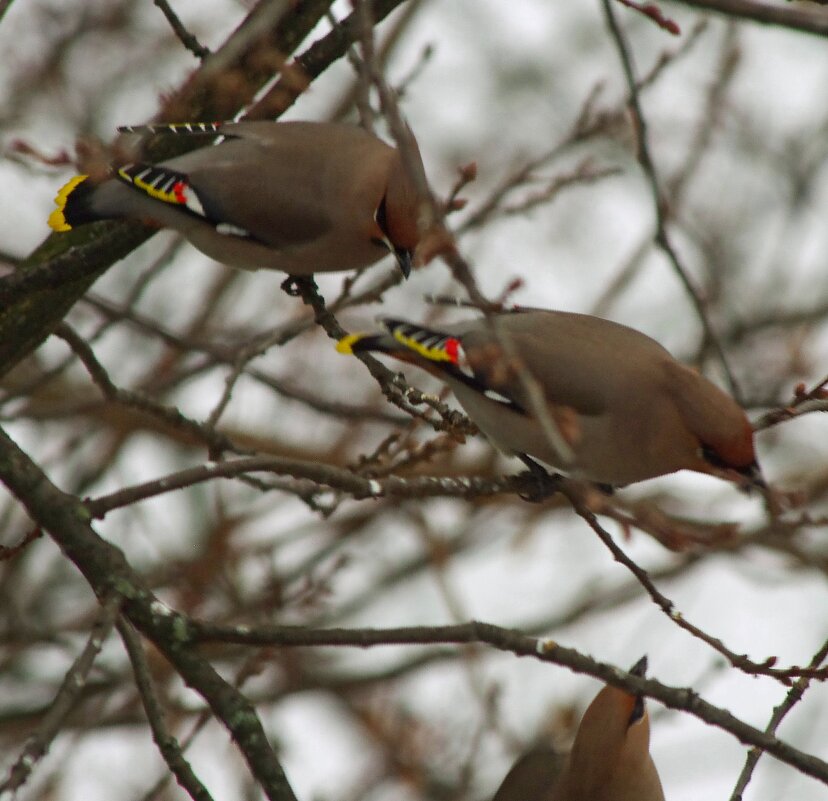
x=798 y=19
x=167 y=744
x=187 y=39
x=519 y=644
x=793 y=697
x=107 y=571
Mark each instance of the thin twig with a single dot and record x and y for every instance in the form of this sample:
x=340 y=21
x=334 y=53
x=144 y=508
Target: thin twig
x=517 y=643
x=10 y=551
x=391 y=384
x=167 y=744
x=358 y=487
x=4 y=7
x=362 y=92
x=218 y=443
x=71 y=688
x=185 y=37
x=799 y=19
x=791 y=699
x=804 y=402
x=654 y=13
x=574 y=494
x=662 y=237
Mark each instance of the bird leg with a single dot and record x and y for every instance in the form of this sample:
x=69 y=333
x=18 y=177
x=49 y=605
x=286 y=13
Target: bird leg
x=546 y=484
x=291 y=285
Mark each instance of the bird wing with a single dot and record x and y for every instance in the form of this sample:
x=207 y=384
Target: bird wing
x=250 y=188
x=553 y=355
x=255 y=197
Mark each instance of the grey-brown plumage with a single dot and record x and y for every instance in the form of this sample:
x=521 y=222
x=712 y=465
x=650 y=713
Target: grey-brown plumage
x=532 y=777
x=626 y=409
x=609 y=761
x=299 y=197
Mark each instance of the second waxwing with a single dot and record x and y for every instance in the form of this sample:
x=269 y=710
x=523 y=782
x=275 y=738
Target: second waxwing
x=609 y=761
x=623 y=408
x=299 y=197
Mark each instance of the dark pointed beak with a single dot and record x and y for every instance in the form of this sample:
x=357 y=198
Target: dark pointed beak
x=405 y=260
x=753 y=478
x=754 y=475
x=640 y=667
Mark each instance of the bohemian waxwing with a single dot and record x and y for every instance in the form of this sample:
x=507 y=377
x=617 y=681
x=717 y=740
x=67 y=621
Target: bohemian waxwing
x=300 y=197
x=610 y=759
x=623 y=407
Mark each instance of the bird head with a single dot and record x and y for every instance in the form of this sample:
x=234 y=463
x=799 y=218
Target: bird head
x=720 y=426
x=614 y=735
x=399 y=214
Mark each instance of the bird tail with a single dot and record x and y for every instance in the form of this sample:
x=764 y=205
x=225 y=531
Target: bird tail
x=366 y=343
x=74 y=205
x=405 y=341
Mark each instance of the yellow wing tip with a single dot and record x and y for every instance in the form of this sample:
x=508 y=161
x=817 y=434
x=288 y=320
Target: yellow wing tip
x=346 y=344
x=57 y=219
x=57 y=222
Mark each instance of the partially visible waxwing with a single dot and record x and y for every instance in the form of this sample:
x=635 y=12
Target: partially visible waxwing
x=299 y=197
x=534 y=774
x=623 y=408
x=609 y=761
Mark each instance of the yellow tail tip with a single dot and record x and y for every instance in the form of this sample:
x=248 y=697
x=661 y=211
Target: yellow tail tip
x=57 y=219
x=346 y=344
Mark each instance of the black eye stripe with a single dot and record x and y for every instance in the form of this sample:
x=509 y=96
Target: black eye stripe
x=381 y=216
x=710 y=456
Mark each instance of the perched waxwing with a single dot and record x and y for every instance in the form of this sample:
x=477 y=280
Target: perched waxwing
x=300 y=197
x=622 y=407
x=610 y=758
